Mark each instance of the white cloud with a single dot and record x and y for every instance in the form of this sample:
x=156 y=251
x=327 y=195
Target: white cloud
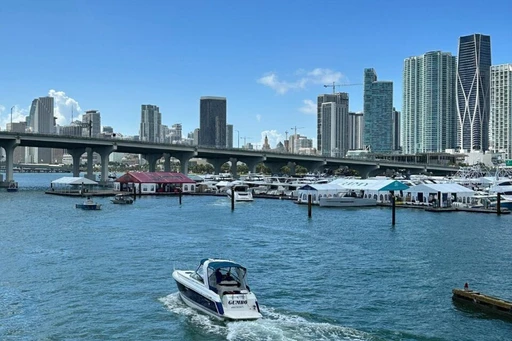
x=63 y=106
x=258 y=117
x=309 y=107
x=316 y=76
x=273 y=138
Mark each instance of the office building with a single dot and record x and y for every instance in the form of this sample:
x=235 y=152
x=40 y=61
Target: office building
x=91 y=123
x=229 y=136
x=500 y=121
x=356 y=127
x=378 y=113
x=41 y=121
x=212 y=121
x=473 y=90
x=150 y=123
x=334 y=125
x=337 y=130
x=429 y=111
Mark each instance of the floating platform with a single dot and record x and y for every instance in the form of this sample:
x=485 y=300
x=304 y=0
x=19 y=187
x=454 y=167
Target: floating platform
x=485 y=302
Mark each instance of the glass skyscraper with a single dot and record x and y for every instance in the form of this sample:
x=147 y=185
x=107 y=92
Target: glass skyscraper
x=212 y=121
x=473 y=89
x=150 y=123
x=378 y=113
x=429 y=112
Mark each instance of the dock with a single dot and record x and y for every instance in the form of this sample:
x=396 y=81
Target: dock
x=485 y=302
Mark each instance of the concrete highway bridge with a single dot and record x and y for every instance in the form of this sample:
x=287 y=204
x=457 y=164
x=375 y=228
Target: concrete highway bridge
x=151 y=152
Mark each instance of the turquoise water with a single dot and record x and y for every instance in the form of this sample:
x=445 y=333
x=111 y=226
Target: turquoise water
x=68 y=274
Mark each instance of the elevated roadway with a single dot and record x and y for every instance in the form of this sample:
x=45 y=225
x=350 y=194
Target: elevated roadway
x=76 y=146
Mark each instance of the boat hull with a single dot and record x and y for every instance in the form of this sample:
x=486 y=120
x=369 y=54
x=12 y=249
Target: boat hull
x=227 y=307
x=89 y=207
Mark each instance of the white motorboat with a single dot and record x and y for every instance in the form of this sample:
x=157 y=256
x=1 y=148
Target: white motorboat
x=89 y=205
x=218 y=288
x=346 y=199
x=241 y=192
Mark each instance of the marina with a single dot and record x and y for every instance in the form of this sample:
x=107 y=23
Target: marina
x=340 y=275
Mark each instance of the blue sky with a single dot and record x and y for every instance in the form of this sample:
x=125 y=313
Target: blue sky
x=269 y=58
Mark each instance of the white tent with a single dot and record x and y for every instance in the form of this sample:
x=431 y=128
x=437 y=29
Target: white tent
x=72 y=180
x=425 y=193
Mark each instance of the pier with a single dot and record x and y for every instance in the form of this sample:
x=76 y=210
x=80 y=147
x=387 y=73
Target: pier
x=485 y=302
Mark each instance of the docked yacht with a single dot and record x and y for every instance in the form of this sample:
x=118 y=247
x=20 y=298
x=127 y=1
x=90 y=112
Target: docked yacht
x=240 y=191
x=218 y=288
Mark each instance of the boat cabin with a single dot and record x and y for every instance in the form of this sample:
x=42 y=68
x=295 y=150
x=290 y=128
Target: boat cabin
x=222 y=276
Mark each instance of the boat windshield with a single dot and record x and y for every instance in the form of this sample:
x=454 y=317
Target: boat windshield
x=229 y=277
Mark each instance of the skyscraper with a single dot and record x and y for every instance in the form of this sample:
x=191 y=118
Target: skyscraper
x=212 y=121
x=429 y=112
x=150 y=123
x=500 y=121
x=229 y=136
x=91 y=123
x=42 y=121
x=378 y=113
x=356 y=126
x=336 y=125
x=473 y=88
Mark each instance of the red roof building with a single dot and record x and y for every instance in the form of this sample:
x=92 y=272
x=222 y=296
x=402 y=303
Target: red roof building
x=154 y=182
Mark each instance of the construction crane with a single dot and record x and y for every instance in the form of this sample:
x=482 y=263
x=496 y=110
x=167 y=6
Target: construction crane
x=334 y=85
x=245 y=140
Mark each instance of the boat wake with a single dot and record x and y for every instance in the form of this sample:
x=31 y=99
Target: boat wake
x=273 y=326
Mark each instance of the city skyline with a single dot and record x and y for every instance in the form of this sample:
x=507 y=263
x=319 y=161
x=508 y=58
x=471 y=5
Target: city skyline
x=270 y=70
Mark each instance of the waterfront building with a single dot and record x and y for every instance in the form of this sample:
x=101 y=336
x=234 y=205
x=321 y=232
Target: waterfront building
x=212 y=121
x=429 y=111
x=378 y=113
x=42 y=121
x=473 y=90
x=266 y=145
x=229 y=136
x=500 y=121
x=340 y=107
x=176 y=132
x=355 y=133
x=150 y=123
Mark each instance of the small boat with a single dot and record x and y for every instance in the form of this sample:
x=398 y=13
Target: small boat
x=218 y=288
x=346 y=199
x=13 y=186
x=122 y=199
x=89 y=205
x=240 y=191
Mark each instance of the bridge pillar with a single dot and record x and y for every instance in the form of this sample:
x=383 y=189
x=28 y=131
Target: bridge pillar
x=217 y=164
x=252 y=162
x=184 y=158
x=104 y=154
x=152 y=159
x=365 y=171
x=234 y=170
x=76 y=154
x=167 y=162
x=89 y=174
x=9 y=147
x=275 y=167
x=291 y=165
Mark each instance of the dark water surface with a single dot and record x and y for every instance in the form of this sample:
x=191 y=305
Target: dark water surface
x=68 y=274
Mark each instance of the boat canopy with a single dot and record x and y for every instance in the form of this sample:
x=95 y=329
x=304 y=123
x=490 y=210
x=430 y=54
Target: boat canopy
x=210 y=268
